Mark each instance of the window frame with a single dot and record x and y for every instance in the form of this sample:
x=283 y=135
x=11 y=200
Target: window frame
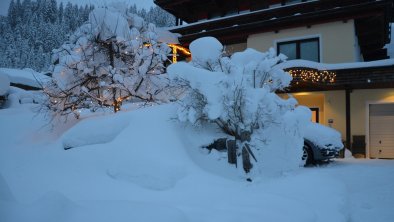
x=298 y=46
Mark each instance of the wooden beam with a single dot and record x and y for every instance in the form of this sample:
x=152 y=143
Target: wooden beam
x=348 y=118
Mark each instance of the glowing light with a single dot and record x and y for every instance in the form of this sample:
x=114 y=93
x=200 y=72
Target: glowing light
x=175 y=50
x=182 y=49
x=174 y=54
x=311 y=75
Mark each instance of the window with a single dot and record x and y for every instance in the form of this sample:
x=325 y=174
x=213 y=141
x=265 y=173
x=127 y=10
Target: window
x=307 y=49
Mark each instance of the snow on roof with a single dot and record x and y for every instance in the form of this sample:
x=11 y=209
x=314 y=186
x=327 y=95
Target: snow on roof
x=26 y=77
x=324 y=66
x=165 y=36
x=390 y=46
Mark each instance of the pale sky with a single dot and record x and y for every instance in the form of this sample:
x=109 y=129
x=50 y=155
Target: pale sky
x=140 y=3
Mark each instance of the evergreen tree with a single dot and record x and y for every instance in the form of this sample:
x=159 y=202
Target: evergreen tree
x=39 y=26
x=61 y=12
x=12 y=14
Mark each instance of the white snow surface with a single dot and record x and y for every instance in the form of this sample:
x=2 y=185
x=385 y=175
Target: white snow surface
x=27 y=77
x=154 y=170
x=390 y=46
x=206 y=49
x=165 y=36
x=82 y=134
x=323 y=136
x=109 y=23
x=4 y=84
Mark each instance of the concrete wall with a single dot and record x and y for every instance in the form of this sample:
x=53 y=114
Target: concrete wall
x=331 y=104
x=337 y=40
x=230 y=49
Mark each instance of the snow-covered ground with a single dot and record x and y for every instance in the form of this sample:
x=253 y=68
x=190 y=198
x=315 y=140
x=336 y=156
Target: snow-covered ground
x=143 y=165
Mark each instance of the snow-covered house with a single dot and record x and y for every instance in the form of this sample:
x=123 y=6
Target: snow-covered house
x=336 y=54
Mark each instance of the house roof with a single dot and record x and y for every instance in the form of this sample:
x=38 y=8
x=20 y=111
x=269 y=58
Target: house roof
x=192 y=10
x=372 y=22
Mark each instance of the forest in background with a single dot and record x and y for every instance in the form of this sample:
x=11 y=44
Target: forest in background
x=32 y=29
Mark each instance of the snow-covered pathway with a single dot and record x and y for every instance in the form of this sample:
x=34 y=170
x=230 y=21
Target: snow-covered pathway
x=370 y=187
x=154 y=171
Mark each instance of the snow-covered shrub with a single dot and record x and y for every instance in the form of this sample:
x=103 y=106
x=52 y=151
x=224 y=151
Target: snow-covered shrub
x=112 y=58
x=237 y=94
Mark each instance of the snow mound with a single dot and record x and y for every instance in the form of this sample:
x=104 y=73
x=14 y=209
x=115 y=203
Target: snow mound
x=27 y=77
x=54 y=206
x=201 y=55
x=153 y=178
x=4 y=84
x=5 y=192
x=94 y=131
x=155 y=170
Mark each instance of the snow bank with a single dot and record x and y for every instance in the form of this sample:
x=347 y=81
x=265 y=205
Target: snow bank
x=280 y=143
x=4 y=84
x=94 y=131
x=27 y=77
x=156 y=170
x=5 y=192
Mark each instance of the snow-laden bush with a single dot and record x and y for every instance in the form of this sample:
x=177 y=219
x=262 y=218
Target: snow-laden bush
x=112 y=58
x=237 y=94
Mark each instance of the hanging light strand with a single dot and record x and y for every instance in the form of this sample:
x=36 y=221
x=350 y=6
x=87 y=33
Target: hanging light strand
x=311 y=75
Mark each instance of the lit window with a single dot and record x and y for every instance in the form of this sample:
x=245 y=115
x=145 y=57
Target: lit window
x=307 y=49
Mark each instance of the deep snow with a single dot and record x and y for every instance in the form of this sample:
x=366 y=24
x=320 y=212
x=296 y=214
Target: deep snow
x=152 y=169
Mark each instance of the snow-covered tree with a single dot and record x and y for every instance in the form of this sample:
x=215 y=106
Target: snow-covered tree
x=106 y=62
x=237 y=94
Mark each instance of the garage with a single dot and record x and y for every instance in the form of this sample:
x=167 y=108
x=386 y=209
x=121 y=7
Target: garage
x=381 y=130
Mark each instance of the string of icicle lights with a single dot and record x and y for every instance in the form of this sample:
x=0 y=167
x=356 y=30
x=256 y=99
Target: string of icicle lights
x=314 y=76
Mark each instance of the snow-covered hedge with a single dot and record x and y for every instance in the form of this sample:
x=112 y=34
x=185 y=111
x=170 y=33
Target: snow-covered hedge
x=237 y=93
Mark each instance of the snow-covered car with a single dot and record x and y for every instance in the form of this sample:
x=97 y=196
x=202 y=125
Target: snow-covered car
x=321 y=143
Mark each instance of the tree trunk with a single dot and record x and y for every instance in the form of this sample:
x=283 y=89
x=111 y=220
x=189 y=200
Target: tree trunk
x=247 y=165
x=232 y=152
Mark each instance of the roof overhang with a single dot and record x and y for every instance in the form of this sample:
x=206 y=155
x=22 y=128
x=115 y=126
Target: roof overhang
x=372 y=20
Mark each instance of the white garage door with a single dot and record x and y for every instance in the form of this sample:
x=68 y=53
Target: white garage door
x=381 y=130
